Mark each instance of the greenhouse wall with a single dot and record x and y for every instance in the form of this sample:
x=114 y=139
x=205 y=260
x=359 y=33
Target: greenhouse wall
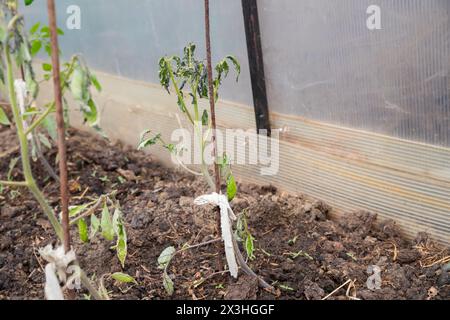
x=363 y=115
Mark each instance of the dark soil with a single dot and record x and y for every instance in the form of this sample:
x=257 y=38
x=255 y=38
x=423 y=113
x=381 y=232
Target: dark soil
x=303 y=253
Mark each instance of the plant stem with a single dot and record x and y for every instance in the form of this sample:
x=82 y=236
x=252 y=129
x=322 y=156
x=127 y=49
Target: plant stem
x=40 y=119
x=178 y=92
x=62 y=150
x=247 y=269
x=88 y=285
x=91 y=210
x=31 y=183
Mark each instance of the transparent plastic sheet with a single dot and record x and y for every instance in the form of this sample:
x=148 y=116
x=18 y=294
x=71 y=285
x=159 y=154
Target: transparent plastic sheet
x=323 y=63
x=127 y=38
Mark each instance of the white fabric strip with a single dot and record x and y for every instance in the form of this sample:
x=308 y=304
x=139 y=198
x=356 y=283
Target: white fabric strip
x=52 y=288
x=56 y=270
x=226 y=214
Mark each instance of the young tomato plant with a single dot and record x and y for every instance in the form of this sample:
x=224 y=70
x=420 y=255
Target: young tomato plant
x=189 y=74
x=111 y=227
x=76 y=79
x=16 y=55
x=243 y=234
x=188 y=78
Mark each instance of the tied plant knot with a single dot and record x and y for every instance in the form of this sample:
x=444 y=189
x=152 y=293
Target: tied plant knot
x=226 y=214
x=60 y=269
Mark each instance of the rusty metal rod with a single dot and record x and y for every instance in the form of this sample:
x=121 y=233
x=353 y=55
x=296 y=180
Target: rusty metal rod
x=60 y=124
x=212 y=104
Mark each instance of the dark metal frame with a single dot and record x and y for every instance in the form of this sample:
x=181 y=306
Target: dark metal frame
x=256 y=64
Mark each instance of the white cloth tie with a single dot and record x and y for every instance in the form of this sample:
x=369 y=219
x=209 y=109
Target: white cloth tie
x=226 y=215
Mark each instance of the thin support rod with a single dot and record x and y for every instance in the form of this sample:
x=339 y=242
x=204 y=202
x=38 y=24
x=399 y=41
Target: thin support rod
x=212 y=105
x=212 y=102
x=62 y=151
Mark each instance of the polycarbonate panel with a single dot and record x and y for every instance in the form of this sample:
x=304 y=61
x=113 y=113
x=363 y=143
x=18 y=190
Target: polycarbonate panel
x=127 y=38
x=323 y=63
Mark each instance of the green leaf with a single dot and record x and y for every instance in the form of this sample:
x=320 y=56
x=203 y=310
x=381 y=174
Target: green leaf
x=44 y=140
x=83 y=230
x=205 y=118
x=48 y=48
x=119 y=229
x=165 y=257
x=4 y=118
x=231 y=187
x=47 y=67
x=78 y=83
x=45 y=32
x=237 y=65
x=91 y=114
x=106 y=224
x=35 y=28
x=35 y=47
x=95 y=82
x=249 y=247
x=76 y=210
x=168 y=284
x=149 y=141
x=224 y=165
x=121 y=247
x=95 y=225
x=28 y=2
x=286 y=287
x=123 y=277
x=117 y=220
x=49 y=123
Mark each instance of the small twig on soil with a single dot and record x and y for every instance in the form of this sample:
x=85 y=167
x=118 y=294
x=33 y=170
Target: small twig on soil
x=14 y=183
x=395 y=252
x=198 y=245
x=89 y=212
x=267 y=232
x=440 y=261
x=351 y=286
x=337 y=289
x=38 y=260
x=203 y=280
x=82 y=195
x=9 y=152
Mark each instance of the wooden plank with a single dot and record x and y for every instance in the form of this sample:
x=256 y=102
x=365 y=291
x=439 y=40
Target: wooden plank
x=256 y=64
